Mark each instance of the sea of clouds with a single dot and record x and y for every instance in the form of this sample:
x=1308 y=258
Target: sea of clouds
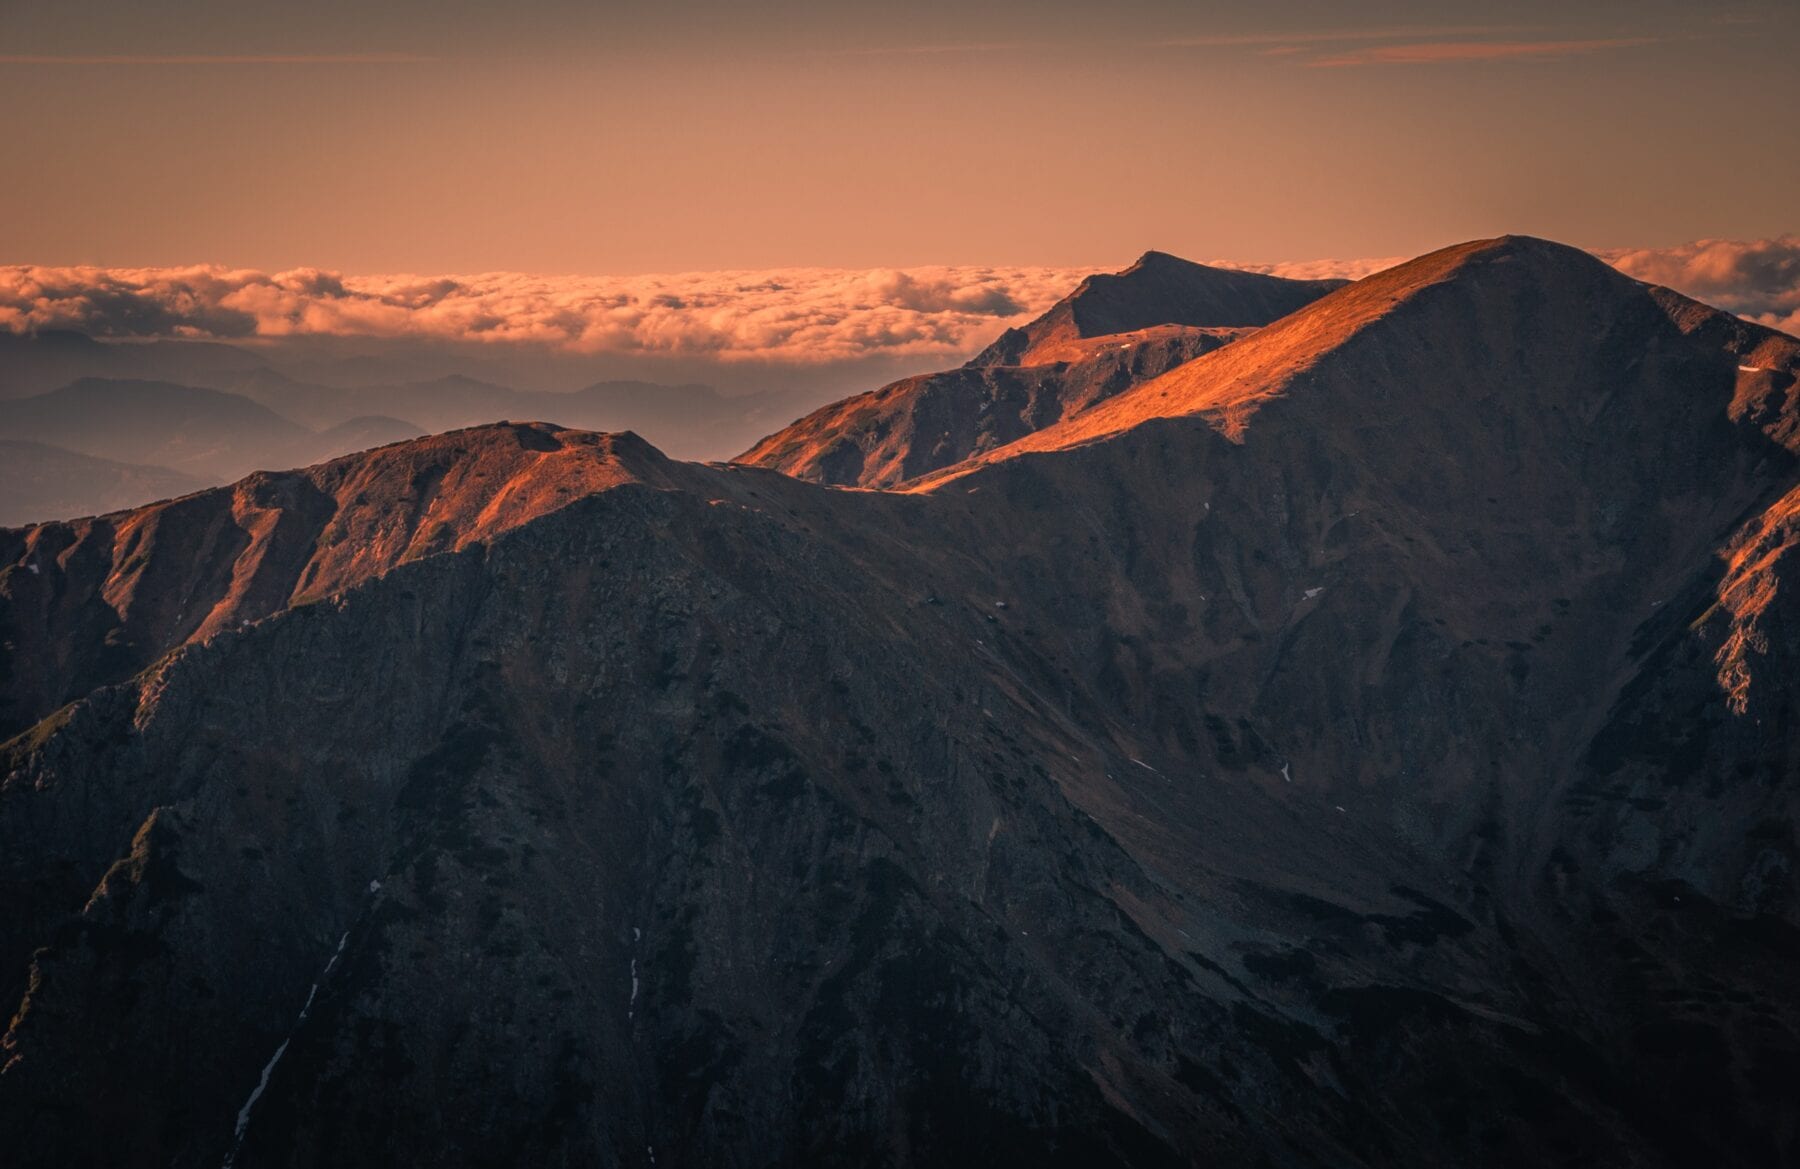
x=799 y=315
x=1758 y=279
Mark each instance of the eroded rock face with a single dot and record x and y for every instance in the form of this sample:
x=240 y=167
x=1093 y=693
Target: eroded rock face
x=1368 y=744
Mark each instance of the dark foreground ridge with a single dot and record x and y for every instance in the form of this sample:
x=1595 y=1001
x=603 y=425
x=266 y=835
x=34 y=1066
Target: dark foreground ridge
x=1369 y=743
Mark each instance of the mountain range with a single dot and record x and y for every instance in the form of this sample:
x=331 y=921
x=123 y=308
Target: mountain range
x=1112 y=332
x=37 y=480
x=1311 y=725
x=174 y=436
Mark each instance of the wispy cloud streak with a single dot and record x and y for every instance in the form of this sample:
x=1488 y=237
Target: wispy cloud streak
x=1453 y=52
x=215 y=59
x=950 y=49
x=1409 y=44
x=1342 y=36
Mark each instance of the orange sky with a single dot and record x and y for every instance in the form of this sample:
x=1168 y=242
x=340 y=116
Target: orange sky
x=605 y=138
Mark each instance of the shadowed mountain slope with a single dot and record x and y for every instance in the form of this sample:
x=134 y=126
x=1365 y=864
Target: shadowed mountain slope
x=1376 y=752
x=1112 y=332
x=1158 y=291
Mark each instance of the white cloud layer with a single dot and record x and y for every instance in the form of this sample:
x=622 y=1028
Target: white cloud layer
x=1758 y=279
x=801 y=315
x=797 y=315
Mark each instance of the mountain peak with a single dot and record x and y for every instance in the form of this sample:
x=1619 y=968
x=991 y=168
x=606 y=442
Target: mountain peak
x=1468 y=261
x=1154 y=258
x=1537 y=324
x=1112 y=332
x=1517 y=243
x=1159 y=289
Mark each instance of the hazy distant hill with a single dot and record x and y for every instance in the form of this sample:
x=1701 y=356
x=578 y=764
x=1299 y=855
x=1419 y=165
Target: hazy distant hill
x=691 y=421
x=295 y=381
x=201 y=432
x=270 y=421
x=36 y=363
x=155 y=429
x=359 y=434
x=39 y=482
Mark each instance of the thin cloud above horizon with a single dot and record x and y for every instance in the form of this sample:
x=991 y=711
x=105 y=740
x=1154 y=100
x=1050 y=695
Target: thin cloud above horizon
x=793 y=316
x=1412 y=44
x=1756 y=279
x=1342 y=35
x=216 y=59
x=948 y=48
x=1452 y=52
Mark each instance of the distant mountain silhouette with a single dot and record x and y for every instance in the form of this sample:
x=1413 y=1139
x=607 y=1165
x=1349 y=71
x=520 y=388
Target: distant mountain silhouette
x=269 y=421
x=200 y=432
x=38 y=481
x=692 y=421
x=360 y=434
x=35 y=363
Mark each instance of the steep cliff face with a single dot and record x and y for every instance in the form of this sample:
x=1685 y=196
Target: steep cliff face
x=1370 y=743
x=1113 y=332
